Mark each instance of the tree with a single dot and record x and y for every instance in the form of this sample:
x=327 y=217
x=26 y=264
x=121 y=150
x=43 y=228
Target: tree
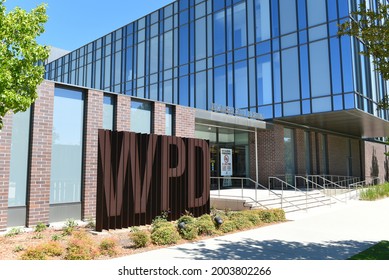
x=21 y=57
x=372 y=29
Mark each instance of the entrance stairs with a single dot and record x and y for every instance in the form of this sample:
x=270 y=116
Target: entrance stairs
x=311 y=192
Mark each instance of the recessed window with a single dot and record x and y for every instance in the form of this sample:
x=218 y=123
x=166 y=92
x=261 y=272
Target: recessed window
x=141 y=113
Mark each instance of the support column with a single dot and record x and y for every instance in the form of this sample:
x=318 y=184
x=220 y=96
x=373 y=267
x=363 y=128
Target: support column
x=5 y=161
x=38 y=200
x=94 y=121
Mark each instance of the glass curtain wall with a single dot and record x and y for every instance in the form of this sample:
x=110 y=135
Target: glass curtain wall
x=275 y=57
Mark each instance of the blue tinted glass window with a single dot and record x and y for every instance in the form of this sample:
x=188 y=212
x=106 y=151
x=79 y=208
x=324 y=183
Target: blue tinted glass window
x=338 y=102
x=262 y=20
x=320 y=70
x=240 y=31
x=263 y=48
x=183 y=46
x=316 y=12
x=220 y=86
x=200 y=10
x=288 y=16
x=219 y=31
x=169 y=120
x=336 y=71
x=277 y=110
x=289 y=41
x=154 y=55
x=240 y=54
x=108 y=112
x=266 y=111
x=292 y=108
x=274 y=18
x=241 y=85
x=201 y=90
x=290 y=75
x=168 y=91
x=302 y=14
x=306 y=106
x=317 y=32
x=304 y=72
x=201 y=47
x=184 y=91
x=343 y=8
x=332 y=10
x=264 y=80
x=321 y=105
x=276 y=77
x=184 y=17
x=168 y=50
x=347 y=67
x=218 y=4
x=184 y=4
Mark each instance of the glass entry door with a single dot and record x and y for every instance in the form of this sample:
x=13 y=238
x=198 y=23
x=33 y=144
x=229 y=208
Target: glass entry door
x=234 y=141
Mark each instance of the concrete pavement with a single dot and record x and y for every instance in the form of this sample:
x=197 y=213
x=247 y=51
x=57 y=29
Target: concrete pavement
x=326 y=233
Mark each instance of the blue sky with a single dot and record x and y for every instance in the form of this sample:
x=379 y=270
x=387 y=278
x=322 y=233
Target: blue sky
x=74 y=23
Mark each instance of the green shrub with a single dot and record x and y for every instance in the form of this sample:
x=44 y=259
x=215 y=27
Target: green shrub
x=13 y=232
x=279 y=215
x=69 y=226
x=165 y=234
x=253 y=217
x=33 y=253
x=241 y=220
x=266 y=216
x=158 y=222
x=189 y=229
x=205 y=225
x=375 y=192
x=40 y=227
x=140 y=238
x=42 y=251
x=108 y=247
x=81 y=247
x=227 y=226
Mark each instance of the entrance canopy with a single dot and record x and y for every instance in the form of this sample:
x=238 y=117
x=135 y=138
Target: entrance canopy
x=352 y=122
x=230 y=121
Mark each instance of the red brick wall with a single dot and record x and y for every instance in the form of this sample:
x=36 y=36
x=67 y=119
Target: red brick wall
x=94 y=121
x=184 y=125
x=159 y=118
x=5 y=159
x=123 y=113
x=40 y=169
x=270 y=153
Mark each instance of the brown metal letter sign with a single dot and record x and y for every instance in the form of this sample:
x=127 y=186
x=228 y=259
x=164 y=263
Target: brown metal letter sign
x=140 y=176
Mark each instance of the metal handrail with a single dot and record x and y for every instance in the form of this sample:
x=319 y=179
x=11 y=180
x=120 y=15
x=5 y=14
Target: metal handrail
x=296 y=189
x=320 y=186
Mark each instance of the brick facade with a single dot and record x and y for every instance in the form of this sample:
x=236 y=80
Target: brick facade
x=159 y=118
x=38 y=198
x=184 y=125
x=5 y=160
x=123 y=113
x=94 y=121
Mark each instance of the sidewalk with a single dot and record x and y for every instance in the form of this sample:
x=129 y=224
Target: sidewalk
x=327 y=233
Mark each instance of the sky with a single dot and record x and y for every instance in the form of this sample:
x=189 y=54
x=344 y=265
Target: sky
x=74 y=23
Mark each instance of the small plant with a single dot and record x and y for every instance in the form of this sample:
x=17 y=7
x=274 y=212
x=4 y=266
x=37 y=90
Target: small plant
x=18 y=248
x=69 y=226
x=38 y=236
x=40 y=227
x=227 y=226
x=253 y=217
x=13 y=232
x=81 y=247
x=51 y=248
x=33 y=253
x=140 y=238
x=187 y=227
x=108 y=247
x=56 y=237
x=91 y=223
x=165 y=234
x=205 y=225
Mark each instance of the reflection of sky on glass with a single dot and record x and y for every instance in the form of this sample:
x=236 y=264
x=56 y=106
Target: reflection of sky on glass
x=68 y=117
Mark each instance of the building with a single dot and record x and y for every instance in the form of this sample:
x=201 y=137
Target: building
x=268 y=79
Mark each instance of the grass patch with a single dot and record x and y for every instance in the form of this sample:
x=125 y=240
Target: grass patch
x=380 y=251
x=375 y=192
